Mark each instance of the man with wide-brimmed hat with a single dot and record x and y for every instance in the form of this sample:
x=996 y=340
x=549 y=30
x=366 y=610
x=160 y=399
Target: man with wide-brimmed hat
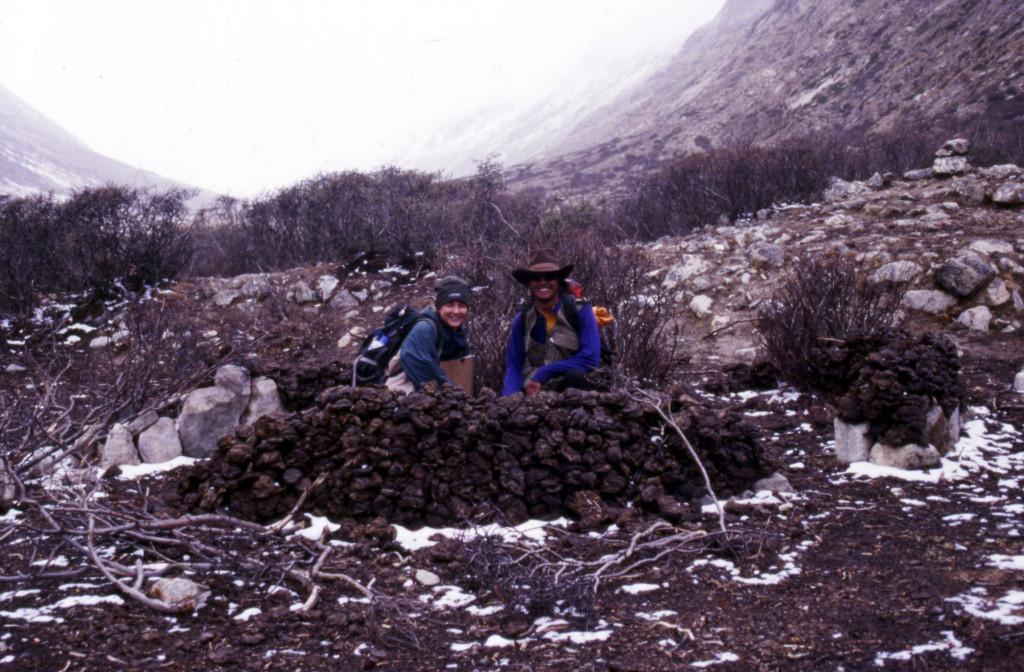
x=553 y=345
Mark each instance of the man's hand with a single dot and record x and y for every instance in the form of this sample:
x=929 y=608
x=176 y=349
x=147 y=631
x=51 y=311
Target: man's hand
x=532 y=387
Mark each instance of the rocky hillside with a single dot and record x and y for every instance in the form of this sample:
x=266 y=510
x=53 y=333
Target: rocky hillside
x=38 y=156
x=857 y=566
x=773 y=68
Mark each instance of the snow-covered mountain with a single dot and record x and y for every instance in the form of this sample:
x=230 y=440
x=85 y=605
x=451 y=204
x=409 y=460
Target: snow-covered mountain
x=38 y=156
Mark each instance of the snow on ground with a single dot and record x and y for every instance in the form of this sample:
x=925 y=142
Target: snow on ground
x=984 y=448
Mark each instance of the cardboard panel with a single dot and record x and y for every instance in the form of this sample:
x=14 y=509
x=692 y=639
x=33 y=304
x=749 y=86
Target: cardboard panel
x=459 y=372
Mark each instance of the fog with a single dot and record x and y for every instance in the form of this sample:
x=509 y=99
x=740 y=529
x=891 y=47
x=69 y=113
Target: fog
x=240 y=97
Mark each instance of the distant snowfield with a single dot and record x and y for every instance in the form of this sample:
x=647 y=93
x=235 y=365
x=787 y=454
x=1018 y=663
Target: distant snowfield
x=985 y=448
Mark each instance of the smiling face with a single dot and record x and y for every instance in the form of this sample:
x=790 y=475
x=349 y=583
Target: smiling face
x=544 y=289
x=453 y=313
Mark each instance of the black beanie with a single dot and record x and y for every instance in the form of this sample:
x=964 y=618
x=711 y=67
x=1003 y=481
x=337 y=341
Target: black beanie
x=451 y=288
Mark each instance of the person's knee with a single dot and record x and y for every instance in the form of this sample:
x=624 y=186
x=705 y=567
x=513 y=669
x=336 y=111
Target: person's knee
x=577 y=378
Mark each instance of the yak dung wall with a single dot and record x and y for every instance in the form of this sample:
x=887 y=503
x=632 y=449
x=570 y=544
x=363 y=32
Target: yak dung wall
x=891 y=379
x=442 y=456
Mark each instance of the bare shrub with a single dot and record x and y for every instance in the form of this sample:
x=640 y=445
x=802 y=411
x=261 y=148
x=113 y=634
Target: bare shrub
x=400 y=214
x=28 y=236
x=91 y=241
x=826 y=300
x=67 y=399
x=529 y=586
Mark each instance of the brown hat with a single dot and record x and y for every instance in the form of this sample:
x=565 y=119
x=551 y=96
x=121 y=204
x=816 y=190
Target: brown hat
x=542 y=260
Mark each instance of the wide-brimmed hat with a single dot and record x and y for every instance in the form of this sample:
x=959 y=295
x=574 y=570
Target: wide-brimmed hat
x=542 y=260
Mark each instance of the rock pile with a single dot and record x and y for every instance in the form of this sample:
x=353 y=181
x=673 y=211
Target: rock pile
x=207 y=414
x=897 y=397
x=442 y=457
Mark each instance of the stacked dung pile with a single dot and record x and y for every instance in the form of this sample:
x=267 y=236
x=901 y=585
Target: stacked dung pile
x=299 y=386
x=893 y=379
x=443 y=456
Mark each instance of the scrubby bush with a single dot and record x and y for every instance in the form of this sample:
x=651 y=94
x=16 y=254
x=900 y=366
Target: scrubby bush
x=827 y=300
x=744 y=175
x=90 y=241
x=329 y=217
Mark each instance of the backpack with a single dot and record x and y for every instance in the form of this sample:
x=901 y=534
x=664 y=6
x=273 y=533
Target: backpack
x=572 y=316
x=371 y=363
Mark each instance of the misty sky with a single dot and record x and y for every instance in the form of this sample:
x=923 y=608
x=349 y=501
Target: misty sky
x=242 y=96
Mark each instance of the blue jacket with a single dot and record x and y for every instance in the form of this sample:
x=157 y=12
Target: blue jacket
x=587 y=357
x=419 y=355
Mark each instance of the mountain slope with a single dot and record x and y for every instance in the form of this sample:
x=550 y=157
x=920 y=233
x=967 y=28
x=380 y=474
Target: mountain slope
x=764 y=69
x=37 y=156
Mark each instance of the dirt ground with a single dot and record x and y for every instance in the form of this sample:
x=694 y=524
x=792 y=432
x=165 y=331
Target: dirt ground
x=845 y=573
x=850 y=571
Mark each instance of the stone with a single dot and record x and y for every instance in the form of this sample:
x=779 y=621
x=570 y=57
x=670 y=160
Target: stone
x=918 y=174
x=235 y=379
x=766 y=254
x=426 y=578
x=851 y=441
x=301 y=293
x=325 y=286
x=976 y=319
x=935 y=429
x=181 y=594
x=8 y=490
x=948 y=166
x=929 y=300
x=118 y=449
x=988 y=247
x=142 y=421
x=225 y=298
x=160 y=443
x=345 y=341
x=1011 y=193
x=910 y=456
x=700 y=306
x=344 y=299
x=1010 y=266
x=876 y=181
x=1001 y=172
x=954 y=424
x=701 y=284
x=1018 y=301
x=361 y=295
x=689 y=266
x=774 y=483
x=997 y=294
x=1018 y=382
x=213 y=412
x=955 y=147
x=15 y=368
x=964 y=275
x=841 y=190
x=254 y=286
x=264 y=400
x=897 y=271
x=969 y=191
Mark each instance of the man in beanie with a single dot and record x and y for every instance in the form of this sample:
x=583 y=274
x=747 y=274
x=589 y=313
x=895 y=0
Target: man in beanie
x=553 y=345
x=439 y=335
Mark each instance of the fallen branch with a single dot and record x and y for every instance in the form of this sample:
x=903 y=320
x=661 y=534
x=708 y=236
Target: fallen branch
x=656 y=403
